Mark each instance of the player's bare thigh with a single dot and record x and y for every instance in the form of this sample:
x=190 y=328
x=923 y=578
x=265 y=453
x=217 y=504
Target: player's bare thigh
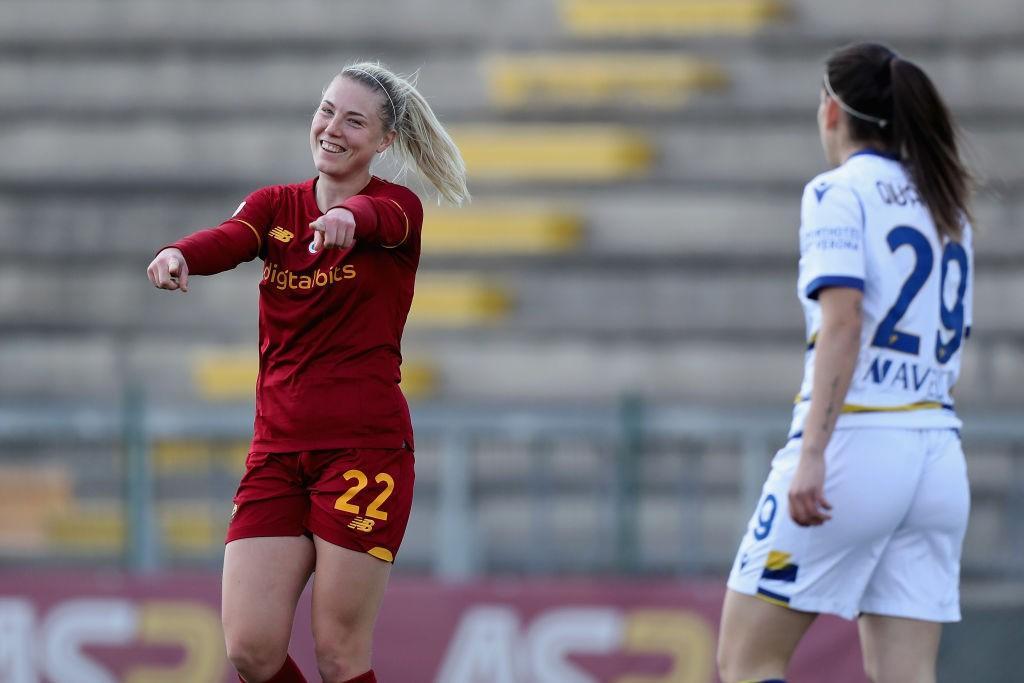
x=348 y=588
x=263 y=579
x=898 y=650
x=756 y=639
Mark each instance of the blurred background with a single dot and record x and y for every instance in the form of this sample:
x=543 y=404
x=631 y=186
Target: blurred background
x=603 y=348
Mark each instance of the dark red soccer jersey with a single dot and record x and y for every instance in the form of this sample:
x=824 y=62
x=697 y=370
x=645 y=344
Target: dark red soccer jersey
x=330 y=323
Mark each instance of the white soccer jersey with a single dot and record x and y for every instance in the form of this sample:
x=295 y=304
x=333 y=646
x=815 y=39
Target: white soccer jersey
x=863 y=225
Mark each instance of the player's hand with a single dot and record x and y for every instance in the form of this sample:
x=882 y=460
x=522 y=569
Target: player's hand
x=169 y=270
x=336 y=229
x=807 y=503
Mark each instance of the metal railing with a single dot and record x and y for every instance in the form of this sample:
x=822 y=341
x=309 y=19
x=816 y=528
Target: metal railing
x=624 y=489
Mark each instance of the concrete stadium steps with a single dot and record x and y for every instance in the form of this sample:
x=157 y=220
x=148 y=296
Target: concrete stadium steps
x=592 y=297
x=766 y=78
x=582 y=80
x=716 y=371
x=29 y=24
x=165 y=154
x=667 y=18
x=121 y=298
x=499 y=367
x=111 y=23
x=720 y=223
x=134 y=227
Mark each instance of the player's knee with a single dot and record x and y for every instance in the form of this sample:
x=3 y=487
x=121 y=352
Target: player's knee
x=343 y=654
x=254 y=658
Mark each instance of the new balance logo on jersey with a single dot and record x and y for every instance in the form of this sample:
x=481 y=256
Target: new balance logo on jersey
x=361 y=524
x=282 y=235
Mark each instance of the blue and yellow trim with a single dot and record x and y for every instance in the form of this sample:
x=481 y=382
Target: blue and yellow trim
x=779 y=568
x=772 y=598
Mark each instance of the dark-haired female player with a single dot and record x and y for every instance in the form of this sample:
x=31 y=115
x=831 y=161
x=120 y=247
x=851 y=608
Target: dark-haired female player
x=329 y=480
x=865 y=509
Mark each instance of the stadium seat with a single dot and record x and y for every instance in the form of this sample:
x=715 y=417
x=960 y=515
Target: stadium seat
x=545 y=153
x=97 y=527
x=636 y=80
x=30 y=494
x=500 y=229
x=628 y=18
x=458 y=301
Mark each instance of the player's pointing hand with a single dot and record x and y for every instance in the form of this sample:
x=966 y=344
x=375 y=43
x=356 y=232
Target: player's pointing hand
x=169 y=270
x=336 y=229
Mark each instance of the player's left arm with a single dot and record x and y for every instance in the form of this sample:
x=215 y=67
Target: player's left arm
x=391 y=220
x=836 y=349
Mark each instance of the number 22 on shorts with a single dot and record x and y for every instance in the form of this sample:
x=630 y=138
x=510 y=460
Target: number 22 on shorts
x=360 y=482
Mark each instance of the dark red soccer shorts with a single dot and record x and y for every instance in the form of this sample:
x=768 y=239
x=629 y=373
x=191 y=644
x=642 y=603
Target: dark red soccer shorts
x=356 y=498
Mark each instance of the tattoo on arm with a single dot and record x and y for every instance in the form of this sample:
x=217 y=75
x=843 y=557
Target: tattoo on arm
x=830 y=408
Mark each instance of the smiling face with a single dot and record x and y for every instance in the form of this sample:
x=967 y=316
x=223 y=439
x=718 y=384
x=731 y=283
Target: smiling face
x=347 y=130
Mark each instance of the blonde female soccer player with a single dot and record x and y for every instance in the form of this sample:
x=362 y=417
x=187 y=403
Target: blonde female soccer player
x=864 y=511
x=329 y=480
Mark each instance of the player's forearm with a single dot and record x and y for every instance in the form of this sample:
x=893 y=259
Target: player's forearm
x=215 y=250
x=379 y=220
x=836 y=351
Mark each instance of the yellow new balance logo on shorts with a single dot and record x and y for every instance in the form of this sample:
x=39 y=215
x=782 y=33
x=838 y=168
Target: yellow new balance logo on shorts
x=281 y=234
x=361 y=524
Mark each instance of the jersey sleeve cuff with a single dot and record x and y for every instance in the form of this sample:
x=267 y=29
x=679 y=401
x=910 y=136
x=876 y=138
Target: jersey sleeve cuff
x=820 y=283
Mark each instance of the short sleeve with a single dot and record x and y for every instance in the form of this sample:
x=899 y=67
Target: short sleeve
x=831 y=239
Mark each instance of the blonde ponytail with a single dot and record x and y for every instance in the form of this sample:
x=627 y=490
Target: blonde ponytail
x=422 y=142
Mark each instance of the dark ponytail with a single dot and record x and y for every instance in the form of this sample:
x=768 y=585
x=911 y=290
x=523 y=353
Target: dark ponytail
x=905 y=115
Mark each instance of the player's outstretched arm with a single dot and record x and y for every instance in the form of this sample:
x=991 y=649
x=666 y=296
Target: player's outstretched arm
x=169 y=270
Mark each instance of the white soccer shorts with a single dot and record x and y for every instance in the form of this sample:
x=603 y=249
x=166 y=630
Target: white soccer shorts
x=900 y=502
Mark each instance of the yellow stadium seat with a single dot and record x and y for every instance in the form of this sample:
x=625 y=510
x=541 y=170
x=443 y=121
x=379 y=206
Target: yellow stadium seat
x=98 y=527
x=634 y=80
x=29 y=496
x=632 y=18
x=229 y=374
x=482 y=229
x=187 y=456
x=541 y=153
x=458 y=300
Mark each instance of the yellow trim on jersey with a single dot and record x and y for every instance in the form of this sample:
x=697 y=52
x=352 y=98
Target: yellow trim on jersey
x=921 y=405
x=259 y=240
x=406 y=236
x=381 y=554
x=856 y=408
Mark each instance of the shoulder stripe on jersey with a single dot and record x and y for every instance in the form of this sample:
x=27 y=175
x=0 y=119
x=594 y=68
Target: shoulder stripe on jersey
x=259 y=240
x=404 y=237
x=833 y=281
